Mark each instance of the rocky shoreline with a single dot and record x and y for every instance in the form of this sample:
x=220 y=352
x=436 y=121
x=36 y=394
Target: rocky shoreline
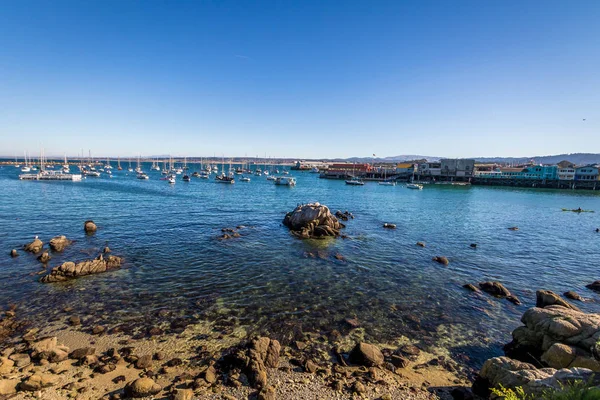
x=68 y=359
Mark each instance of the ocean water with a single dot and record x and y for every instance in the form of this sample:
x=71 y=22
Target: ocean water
x=270 y=281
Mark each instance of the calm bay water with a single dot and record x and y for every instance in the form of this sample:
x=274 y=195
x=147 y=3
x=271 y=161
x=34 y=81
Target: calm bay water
x=273 y=282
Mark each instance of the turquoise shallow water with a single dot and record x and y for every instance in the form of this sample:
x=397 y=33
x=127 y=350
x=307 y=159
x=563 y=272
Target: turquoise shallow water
x=273 y=282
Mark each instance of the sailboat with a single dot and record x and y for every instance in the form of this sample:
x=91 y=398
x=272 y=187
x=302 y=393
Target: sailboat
x=108 y=166
x=26 y=167
x=130 y=169
x=186 y=177
x=65 y=167
x=223 y=178
x=155 y=166
x=385 y=182
x=353 y=180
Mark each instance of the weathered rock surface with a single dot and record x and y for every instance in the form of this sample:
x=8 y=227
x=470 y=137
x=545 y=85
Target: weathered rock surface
x=549 y=298
x=8 y=386
x=59 y=243
x=49 y=349
x=554 y=324
x=35 y=246
x=366 y=354
x=37 y=382
x=89 y=226
x=70 y=270
x=14 y=253
x=254 y=359
x=312 y=221
x=142 y=387
x=512 y=373
x=421 y=244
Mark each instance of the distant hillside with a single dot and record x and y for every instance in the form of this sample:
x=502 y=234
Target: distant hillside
x=575 y=158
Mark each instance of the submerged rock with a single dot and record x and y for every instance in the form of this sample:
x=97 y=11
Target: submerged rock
x=595 y=286
x=494 y=288
x=513 y=228
x=473 y=245
x=389 y=226
x=59 y=243
x=44 y=257
x=573 y=296
x=35 y=246
x=549 y=298
x=89 y=226
x=421 y=244
x=441 y=259
x=70 y=270
x=312 y=221
x=471 y=287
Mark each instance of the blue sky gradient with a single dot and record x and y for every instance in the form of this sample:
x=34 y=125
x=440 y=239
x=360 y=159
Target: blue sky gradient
x=300 y=79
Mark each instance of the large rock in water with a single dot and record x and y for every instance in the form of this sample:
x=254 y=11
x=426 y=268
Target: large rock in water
x=312 y=221
x=494 y=288
x=59 y=243
x=70 y=270
x=554 y=324
x=35 y=246
x=89 y=226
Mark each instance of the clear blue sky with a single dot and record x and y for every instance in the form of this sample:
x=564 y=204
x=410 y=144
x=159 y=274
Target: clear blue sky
x=303 y=79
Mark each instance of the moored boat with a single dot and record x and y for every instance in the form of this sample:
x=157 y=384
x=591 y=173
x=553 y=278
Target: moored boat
x=285 y=181
x=415 y=186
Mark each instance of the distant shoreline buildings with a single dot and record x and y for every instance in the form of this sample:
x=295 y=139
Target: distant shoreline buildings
x=564 y=175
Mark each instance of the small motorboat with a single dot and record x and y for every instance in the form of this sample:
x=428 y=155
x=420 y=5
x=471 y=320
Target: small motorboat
x=142 y=175
x=415 y=186
x=171 y=179
x=285 y=181
x=204 y=175
x=387 y=183
x=244 y=179
x=271 y=178
x=355 y=182
x=186 y=178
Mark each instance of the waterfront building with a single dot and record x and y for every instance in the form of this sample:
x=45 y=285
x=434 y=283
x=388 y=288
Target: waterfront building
x=587 y=173
x=460 y=168
x=346 y=170
x=566 y=173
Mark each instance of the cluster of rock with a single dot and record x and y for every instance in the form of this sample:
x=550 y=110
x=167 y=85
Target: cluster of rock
x=495 y=289
x=312 y=221
x=253 y=361
x=70 y=270
x=230 y=233
x=558 y=343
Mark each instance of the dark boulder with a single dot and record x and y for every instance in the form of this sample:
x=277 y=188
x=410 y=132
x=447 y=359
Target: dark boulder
x=441 y=259
x=494 y=288
x=548 y=298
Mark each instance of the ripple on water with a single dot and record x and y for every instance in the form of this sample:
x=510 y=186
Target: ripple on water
x=271 y=281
